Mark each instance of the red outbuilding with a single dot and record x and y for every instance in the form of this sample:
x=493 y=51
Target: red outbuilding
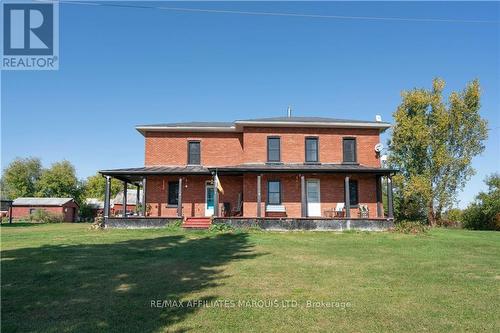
x=22 y=208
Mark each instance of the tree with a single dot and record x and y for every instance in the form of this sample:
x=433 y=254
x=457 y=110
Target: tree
x=20 y=177
x=484 y=213
x=432 y=145
x=95 y=187
x=59 y=181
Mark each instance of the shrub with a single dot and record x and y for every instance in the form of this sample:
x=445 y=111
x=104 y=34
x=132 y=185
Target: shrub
x=410 y=227
x=42 y=216
x=86 y=212
x=484 y=213
x=452 y=218
x=221 y=227
x=176 y=225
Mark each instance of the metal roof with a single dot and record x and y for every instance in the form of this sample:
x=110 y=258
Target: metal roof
x=192 y=124
x=158 y=170
x=309 y=120
x=41 y=201
x=237 y=126
x=94 y=203
x=131 y=197
x=136 y=174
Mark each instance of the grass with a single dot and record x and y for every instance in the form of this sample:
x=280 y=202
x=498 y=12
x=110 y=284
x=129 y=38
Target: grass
x=67 y=278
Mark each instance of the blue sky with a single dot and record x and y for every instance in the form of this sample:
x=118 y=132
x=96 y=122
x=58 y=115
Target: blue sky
x=120 y=67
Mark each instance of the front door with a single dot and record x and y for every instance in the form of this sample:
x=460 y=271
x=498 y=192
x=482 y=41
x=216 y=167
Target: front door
x=209 y=200
x=313 y=197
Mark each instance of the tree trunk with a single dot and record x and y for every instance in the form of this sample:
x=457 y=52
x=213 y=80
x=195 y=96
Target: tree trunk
x=430 y=214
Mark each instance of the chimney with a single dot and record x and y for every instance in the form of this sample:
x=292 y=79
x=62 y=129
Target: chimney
x=289 y=111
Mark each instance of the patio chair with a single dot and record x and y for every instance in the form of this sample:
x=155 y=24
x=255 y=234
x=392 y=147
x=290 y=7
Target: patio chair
x=237 y=210
x=340 y=209
x=364 y=212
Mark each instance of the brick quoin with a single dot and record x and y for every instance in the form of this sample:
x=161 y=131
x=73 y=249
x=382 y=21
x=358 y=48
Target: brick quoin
x=225 y=149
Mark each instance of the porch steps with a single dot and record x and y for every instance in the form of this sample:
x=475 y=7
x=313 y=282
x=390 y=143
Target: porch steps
x=197 y=223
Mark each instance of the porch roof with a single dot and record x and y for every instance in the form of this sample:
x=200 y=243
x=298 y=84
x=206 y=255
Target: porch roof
x=134 y=175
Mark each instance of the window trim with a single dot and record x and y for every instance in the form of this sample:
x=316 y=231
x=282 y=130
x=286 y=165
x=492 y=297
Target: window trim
x=168 y=193
x=279 y=149
x=355 y=150
x=357 y=192
x=316 y=138
x=280 y=193
x=188 y=150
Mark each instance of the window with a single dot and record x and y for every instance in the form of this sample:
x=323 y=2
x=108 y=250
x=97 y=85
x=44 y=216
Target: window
x=274 y=192
x=349 y=148
x=353 y=192
x=194 y=152
x=311 y=149
x=273 y=149
x=173 y=193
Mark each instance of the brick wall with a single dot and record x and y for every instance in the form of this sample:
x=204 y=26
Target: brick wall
x=23 y=212
x=293 y=144
x=331 y=193
x=170 y=148
x=193 y=194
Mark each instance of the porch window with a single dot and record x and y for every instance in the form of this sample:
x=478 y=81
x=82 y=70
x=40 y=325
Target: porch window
x=194 y=152
x=273 y=149
x=173 y=193
x=274 y=192
x=311 y=149
x=353 y=192
x=349 y=150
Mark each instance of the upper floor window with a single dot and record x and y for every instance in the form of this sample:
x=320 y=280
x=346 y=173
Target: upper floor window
x=273 y=149
x=349 y=149
x=311 y=149
x=274 y=192
x=173 y=193
x=194 y=152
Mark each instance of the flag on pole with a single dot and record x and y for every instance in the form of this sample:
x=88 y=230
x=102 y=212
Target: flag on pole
x=219 y=185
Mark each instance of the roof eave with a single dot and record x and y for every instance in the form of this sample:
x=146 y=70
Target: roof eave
x=381 y=126
x=144 y=129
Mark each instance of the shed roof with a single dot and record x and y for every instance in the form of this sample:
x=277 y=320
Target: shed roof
x=131 y=197
x=29 y=201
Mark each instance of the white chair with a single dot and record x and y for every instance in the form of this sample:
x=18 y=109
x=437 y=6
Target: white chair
x=339 y=209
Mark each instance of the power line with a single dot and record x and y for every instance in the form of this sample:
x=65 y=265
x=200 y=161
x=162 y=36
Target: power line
x=258 y=13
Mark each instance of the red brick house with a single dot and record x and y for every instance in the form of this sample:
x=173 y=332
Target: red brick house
x=22 y=208
x=286 y=167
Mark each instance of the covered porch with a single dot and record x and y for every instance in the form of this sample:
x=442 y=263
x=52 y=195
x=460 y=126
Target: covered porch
x=259 y=191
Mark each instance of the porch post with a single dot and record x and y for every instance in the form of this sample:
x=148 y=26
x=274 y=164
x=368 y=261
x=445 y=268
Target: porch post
x=179 y=198
x=124 y=204
x=137 y=199
x=347 y=198
x=216 y=196
x=303 y=197
x=378 y=187
x=106 y=197
x=10 y=213
x=390 y=209
x=259 y=196
x=144 y=196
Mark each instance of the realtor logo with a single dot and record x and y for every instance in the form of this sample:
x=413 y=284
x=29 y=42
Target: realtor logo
x=30 y=36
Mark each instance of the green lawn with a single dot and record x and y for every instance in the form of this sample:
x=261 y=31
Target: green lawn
x=68 y=278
